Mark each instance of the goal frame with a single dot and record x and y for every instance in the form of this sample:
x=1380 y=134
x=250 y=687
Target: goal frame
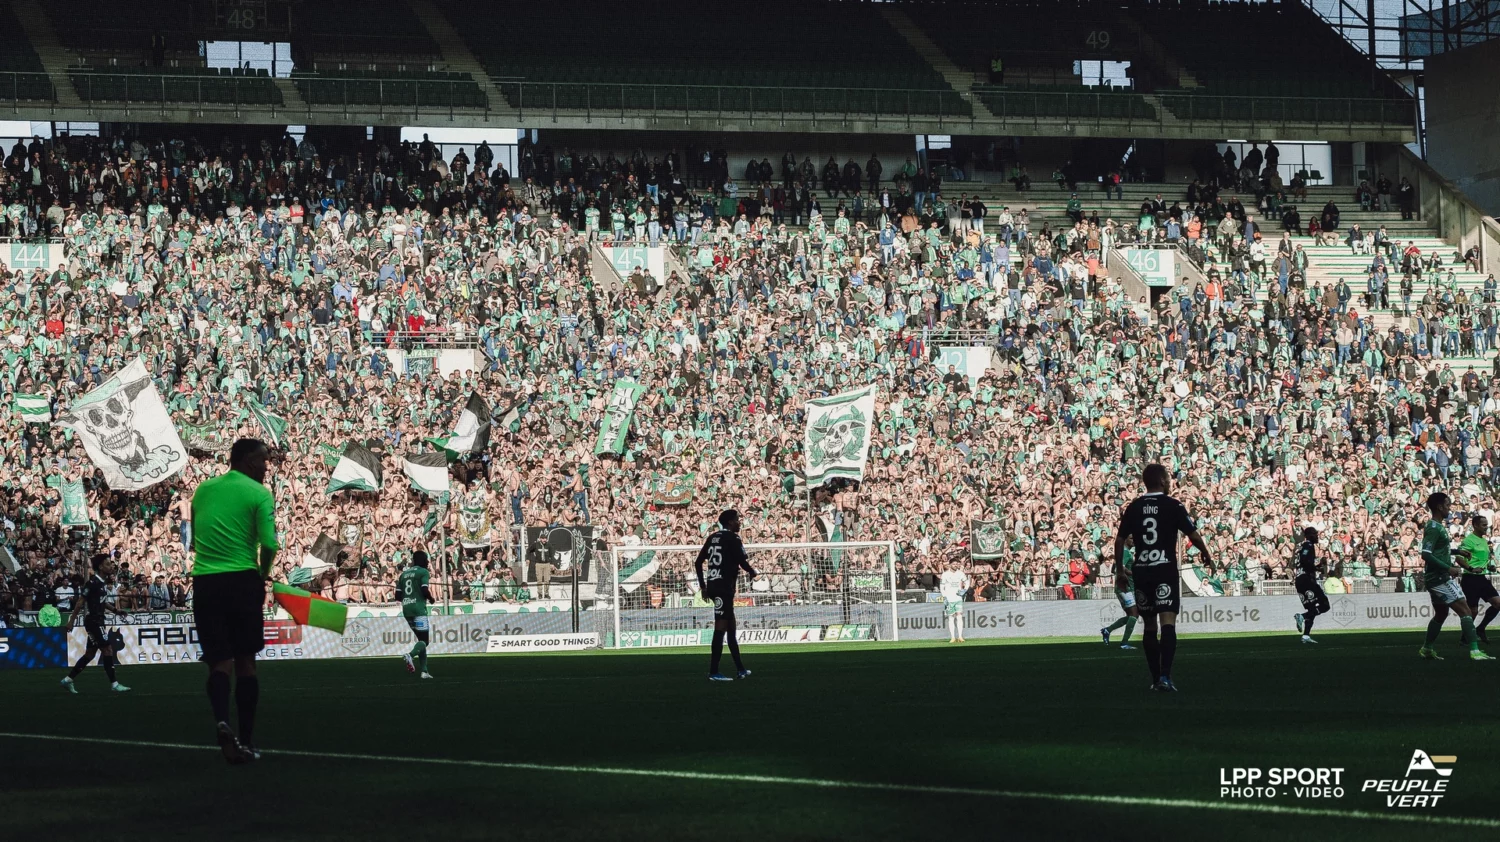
x=888 y=546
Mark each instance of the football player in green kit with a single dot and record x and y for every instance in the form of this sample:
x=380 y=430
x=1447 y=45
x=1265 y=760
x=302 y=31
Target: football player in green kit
x=1442 y=587
x=411 y=587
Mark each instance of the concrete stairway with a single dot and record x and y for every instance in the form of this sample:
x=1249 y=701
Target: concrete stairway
x=457 y=57
x=55 y=57
x=957 y=79
x=291 y=98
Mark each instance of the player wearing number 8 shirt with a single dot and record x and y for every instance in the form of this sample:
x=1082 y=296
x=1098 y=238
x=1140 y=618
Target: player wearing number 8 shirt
x=724 y=555
x=1153 y=521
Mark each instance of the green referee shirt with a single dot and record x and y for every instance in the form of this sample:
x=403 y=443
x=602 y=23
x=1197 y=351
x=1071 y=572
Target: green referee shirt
x=234 y=517
x=1479 y=553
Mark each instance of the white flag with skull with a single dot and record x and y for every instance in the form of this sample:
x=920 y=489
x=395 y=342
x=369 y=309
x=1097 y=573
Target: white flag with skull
x=127 y=431
x=837 y=443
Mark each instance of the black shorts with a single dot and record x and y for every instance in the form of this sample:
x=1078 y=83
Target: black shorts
x=229 y=611
x=1158 y=589
x=1312 y=594
x=94 y=626
x=723 y=607
x=1477 y=588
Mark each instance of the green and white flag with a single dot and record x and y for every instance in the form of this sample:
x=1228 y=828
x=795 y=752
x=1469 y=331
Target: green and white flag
x=428 y=472
x=33 y=409
x=358 y=469
x=837 y=442
x=472 y=432
x=74 y=511
x=323 y=555
x=617 y=417
x=274 y=426
x=673 y=491
x=986 y=540
x=637 y=568
x=126 y=430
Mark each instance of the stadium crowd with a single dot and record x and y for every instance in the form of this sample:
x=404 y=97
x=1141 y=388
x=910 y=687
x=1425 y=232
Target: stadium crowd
x=283 y=272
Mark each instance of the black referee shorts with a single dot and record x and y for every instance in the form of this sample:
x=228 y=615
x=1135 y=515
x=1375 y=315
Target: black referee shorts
x=228 y=609
x=1477 y=589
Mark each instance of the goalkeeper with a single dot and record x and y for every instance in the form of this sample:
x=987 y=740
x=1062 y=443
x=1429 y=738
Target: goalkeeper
x=412 y=586
x=724 y=554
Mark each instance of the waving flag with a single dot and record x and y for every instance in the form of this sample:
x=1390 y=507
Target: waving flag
x=617 y=417
x=126 y=430
x=33 y=409
x=837 y=441
x=472 y=433
x=274 y=426
x=428 y=472
x=309 y=609
x=359 y=468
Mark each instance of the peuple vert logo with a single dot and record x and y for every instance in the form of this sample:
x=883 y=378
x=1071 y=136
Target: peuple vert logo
x=1425 y=784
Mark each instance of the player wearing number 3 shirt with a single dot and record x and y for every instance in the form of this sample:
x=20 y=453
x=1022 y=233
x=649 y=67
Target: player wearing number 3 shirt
x=724 y=555
x=1153 y=521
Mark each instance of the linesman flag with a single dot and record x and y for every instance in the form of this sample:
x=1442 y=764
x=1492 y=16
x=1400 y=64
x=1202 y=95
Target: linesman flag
x=428 y=472
x=309 y=609
x=359 y=468
x=472 y=432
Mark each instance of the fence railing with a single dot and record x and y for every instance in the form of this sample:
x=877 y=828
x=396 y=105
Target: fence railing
x=622 y=100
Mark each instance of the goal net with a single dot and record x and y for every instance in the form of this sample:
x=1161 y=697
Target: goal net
x=804 y=593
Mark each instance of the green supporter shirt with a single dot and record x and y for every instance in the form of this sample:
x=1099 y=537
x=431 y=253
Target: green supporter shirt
x=1435 y=552
x=1479 y=553
x=234 y=517
x=409 y=586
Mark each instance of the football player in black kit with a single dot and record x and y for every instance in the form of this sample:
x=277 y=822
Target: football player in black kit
x=92 y=609
x=1314 y=601
x=1154 y=520
x=725 y=555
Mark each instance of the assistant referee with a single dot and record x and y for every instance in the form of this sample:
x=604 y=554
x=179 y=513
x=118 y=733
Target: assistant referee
x=234 y=545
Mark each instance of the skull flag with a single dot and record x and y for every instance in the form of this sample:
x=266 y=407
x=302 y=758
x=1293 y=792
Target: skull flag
x=127 y=431
x=837 y=442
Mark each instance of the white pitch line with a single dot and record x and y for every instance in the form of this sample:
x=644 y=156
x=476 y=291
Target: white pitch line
x=820 y=783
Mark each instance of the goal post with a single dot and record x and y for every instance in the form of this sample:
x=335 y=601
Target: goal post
x=809 y=592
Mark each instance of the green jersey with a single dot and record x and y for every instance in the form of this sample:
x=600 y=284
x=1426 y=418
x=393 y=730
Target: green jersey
x=1479 y=553
x=1123 y=575
x=409 y=588
x=1436 y=546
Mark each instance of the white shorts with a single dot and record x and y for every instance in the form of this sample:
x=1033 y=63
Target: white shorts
x=419 y=623
x=1449 y=592
x=1127 y=599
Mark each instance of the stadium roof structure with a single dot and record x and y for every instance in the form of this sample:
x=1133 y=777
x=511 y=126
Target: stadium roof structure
x=1013 y=67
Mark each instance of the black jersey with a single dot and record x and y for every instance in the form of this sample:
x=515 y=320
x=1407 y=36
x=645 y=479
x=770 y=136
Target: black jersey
x=724 y=554
x=1155 y=520
x=94 y=594
x=1307 y=560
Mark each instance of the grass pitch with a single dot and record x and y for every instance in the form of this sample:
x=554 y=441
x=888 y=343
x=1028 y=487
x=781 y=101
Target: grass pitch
x=860 y=741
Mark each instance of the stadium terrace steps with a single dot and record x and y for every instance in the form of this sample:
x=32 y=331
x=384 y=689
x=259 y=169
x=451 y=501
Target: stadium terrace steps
x=457 y=56
x=54 y=56
x=957 y=79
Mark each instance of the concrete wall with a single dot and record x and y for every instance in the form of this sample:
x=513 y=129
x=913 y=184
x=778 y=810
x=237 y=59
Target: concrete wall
x=1463 y=112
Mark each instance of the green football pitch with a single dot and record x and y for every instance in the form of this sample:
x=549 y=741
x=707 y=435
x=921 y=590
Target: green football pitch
x=851 y=742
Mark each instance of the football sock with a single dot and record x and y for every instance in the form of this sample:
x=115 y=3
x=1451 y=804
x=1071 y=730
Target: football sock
x=218 y=694
x=1470 y=636
x=1129 y=627
x=1434 y=626
x=1119 y=623
x=1153 y=655
x=420 y=651
x=1489 y=615
x=1307 y=622
x=734 y=650
x=1168 y=649
x=246 y=697
x=718 y=652
x=108 y=662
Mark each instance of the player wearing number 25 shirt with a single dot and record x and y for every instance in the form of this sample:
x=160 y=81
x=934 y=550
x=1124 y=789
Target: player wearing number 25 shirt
x=723 y=555
x=1154 y=521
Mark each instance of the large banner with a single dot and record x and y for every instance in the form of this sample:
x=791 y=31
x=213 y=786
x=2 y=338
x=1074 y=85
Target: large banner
x=986 y=540
x=626 y=259
x=127 y=431
x=74 y=511
x=617 y=417
x=837 y=440
x=564 y=547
